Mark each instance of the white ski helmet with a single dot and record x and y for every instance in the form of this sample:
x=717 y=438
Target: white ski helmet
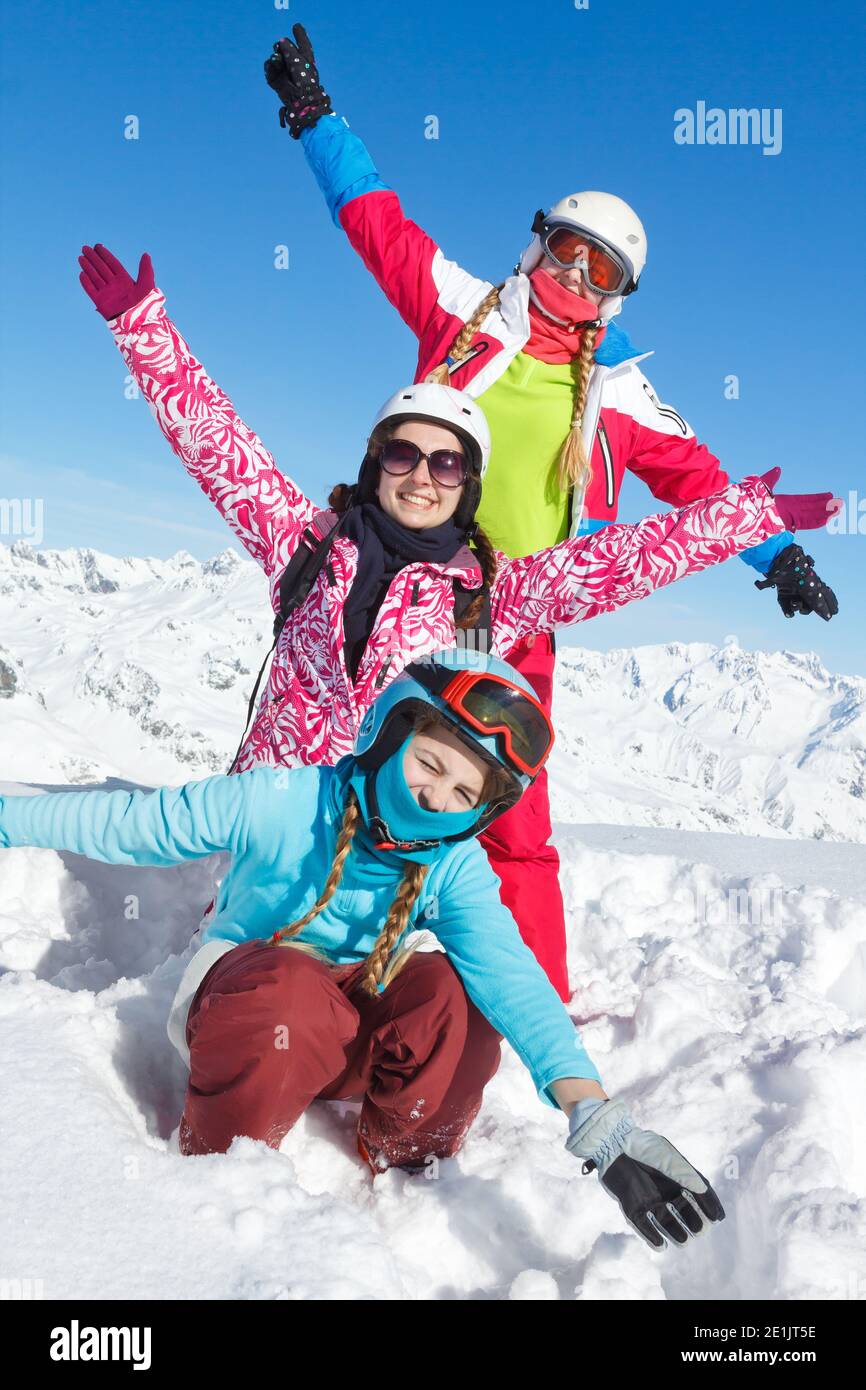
x=446 y=406
x=605 y=218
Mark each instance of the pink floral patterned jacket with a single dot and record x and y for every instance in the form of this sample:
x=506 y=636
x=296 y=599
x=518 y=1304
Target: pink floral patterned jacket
x=310 y=709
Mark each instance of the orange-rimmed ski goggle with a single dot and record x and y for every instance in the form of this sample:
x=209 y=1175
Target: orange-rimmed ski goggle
x=493 y=705
x=569 y=246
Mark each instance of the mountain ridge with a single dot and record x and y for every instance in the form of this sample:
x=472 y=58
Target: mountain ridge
x=142 y=668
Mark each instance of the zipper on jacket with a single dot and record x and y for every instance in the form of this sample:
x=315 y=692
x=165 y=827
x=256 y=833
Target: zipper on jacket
x=591 y=418
x=607 y=455
x=413 y=600
x=379 y=681
x=666 y=410
x=470 y=357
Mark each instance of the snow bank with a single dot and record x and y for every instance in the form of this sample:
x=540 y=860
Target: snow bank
x=727 y=1008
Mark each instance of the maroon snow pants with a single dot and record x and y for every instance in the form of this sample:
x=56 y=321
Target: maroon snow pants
x=518 y=843
x=271 y=1029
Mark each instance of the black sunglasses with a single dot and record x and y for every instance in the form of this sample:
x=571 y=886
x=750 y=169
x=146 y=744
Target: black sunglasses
x=447 y=467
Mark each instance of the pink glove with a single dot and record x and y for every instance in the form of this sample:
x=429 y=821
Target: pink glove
x=112 y=288
x=803 y=511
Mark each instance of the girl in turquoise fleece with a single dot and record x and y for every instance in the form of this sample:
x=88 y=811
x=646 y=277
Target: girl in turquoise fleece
x=349 y=865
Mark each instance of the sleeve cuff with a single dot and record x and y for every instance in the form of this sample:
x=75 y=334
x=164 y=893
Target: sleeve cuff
x=761 y=556
x=340 y=163
x=144 y=311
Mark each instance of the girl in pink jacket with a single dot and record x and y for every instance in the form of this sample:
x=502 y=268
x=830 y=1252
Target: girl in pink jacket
x=407 y=567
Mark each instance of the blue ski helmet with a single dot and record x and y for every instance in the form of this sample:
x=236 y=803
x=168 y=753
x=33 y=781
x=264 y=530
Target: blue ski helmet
x=391 y=717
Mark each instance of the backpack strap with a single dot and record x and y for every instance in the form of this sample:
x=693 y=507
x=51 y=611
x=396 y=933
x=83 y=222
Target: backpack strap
x=300 y=574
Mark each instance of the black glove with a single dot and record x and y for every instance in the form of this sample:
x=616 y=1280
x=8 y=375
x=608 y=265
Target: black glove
x=798 y=587
x=293 y=74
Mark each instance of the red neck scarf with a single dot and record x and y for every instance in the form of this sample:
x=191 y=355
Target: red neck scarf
x=550 y=341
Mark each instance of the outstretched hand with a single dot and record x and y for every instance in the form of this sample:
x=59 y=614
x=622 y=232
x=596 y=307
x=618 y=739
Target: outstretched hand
x=109 y=284
x=798 y=588
x=292 y=73
x=801 y=511
x=661 y=1194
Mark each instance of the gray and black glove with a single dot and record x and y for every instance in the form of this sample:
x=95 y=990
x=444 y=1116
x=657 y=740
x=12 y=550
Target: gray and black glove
x=660 y=1193
x=293 y=74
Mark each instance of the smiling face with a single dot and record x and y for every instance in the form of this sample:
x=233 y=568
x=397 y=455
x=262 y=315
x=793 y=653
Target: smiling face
x=442 y=773
x=415 y=500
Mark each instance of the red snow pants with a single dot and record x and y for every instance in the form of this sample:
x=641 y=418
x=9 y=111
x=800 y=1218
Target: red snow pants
x=518 y=843
x=271 y=1029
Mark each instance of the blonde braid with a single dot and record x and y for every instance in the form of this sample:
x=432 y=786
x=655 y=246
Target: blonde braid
x=487 y=559
x=351 y=820
x=441 y=376
x=574 y=466
x=395 y=924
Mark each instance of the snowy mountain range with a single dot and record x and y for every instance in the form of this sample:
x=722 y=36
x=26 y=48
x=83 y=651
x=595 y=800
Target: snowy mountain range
x=141 y=669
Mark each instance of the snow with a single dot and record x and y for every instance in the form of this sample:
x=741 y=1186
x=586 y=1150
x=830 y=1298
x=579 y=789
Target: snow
x=720 y=983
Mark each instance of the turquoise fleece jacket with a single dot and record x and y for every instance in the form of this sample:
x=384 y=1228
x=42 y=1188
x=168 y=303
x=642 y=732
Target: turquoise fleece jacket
x=280 y=826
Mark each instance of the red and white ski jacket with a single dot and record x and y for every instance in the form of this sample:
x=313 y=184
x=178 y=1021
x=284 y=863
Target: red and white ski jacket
x=311 y=710
x=625 y=425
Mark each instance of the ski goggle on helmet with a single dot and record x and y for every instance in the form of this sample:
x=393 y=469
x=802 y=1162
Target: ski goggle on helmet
x=486 y=702
x=599 y=234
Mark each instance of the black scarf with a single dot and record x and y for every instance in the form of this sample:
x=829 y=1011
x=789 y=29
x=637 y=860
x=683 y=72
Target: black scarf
x=384 y=548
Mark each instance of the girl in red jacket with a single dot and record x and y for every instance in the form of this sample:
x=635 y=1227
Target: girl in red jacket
x=568 y=405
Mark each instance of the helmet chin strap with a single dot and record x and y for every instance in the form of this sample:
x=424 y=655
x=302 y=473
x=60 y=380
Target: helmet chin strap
x=573 y=326
x=384 y=840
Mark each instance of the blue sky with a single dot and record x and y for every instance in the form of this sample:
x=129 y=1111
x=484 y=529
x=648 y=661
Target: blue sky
x=755 y=265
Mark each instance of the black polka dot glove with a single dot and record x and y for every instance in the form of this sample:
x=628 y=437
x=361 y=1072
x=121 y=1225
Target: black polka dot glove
x=293 y=74
x=798 y=587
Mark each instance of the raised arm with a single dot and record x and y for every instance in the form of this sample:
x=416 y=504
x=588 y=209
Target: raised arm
x=619 y=564
x=225 y=457
x=162 y=827
x=406 y=263
x=502 y=976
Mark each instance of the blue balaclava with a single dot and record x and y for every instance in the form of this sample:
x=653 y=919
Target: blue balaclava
x=405 y=819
